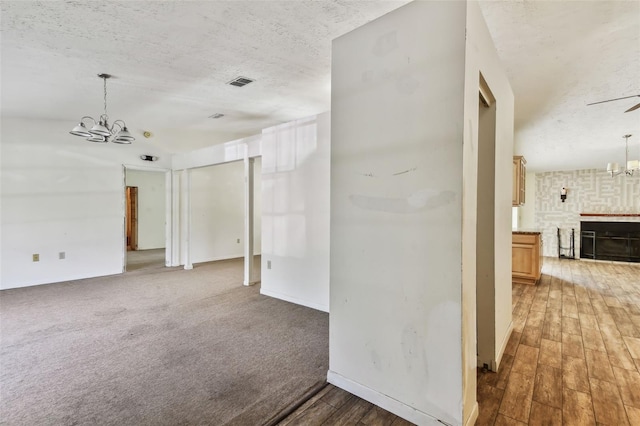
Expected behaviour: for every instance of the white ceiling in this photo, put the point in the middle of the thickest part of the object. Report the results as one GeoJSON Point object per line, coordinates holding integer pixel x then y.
{"type": "Point", "coordinates": [171, 60]}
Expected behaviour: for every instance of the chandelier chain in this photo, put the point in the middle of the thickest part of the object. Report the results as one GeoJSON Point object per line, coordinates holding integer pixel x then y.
{"type": "Point", "coordinates": [104, 80]}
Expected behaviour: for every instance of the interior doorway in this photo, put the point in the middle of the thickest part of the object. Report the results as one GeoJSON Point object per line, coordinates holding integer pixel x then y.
{"type": "Point", "coordinates": [218, 228]}
{"type": "Point", "coordinates": [145, 236]}
{"type": "Point", "coordinates": [485, 230]}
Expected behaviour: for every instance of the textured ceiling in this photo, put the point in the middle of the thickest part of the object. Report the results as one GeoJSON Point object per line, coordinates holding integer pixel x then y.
{"type": "Point", "coordinates": [560, 56]}
{"type": "Point", "coordinates": [171, 60]}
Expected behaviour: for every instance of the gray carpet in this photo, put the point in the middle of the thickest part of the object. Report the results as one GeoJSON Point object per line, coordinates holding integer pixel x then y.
{"type": "Point", "coordinates": [160, 346]}
{"type": "Point", "coordinates": [147, 259]}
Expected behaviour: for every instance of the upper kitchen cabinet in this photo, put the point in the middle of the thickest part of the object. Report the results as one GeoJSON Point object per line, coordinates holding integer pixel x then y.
{"type": "Point", "coordinates": [519, 173]}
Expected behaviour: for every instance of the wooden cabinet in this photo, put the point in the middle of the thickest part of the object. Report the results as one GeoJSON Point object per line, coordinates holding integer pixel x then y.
{"type": "Point", "coordinates": [526, 258]}
{"type": "Point", "coordinates": [519, 175]}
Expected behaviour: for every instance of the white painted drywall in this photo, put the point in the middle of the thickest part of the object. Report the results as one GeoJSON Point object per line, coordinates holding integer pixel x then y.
{"type": "Point", "coordinates": [295, 211]}
{"type": "Point", "coordinates": [403, 209]}
{"type": "Point", "coordinates": [217, 211]}
{"type": "Point", "coordinates": [397, 210]}
{"type": "Point", "coordinates": [61, 193]}
{"type": "Point", "coordinates": [481, 57]}
{"type": "Point", "coordinates": [218, 154]}
{"type": "Point", "coordinates": [151, 207]}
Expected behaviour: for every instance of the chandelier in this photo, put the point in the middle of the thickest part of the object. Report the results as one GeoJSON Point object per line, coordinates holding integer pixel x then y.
{"type": "Point", "coordinates": [102, 131]}
{"type": "Point", "coordinates": [631, 165]}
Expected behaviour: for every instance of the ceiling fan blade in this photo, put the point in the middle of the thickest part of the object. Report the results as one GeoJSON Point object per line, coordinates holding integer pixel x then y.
{"type": "Point", "coordinates": [616, 99]}
{"type": "Point", "coordinates": [633, 108]}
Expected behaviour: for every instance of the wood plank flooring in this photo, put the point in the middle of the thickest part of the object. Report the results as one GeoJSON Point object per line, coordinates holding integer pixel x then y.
{"type": "Point", "coordinates": [334, 406]}
{"type": "Point", "coordinates": [573, 357]}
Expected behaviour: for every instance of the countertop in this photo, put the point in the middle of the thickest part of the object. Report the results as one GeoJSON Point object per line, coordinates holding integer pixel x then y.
{"type": "Point", "coordinates": [526, 231]}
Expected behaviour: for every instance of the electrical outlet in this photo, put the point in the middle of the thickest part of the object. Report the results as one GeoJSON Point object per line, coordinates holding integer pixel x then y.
{"type": "Point", "coordinates": [36, 257]}
{"type": "Point", "coordinates": [238, 241]}
{"type": "Point", "coordinates": [268, 264]}
{"type": "Point", "coordinates": [61, 255]}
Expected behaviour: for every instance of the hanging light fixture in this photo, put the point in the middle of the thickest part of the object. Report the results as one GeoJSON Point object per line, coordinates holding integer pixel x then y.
{"type": "Point", "coordinates": [102, 131]}
{"type": "Point", "coordinates": [631, 165]}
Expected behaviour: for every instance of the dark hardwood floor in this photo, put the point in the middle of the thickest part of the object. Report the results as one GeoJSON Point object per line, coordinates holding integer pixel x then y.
{"type": "Point", "coordinates": [334, 406]}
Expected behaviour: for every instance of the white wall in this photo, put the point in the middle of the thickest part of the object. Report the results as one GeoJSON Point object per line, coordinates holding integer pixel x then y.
{"type": "Point", "coordinates": [481, 57]}
{"type": "Point", "coordinates": [295, 211]}
{"type": "Point", "coordinates": [191, 140]}
{"type": "Point", "coordinates": [217, 212]}
{"type": "Point", "coordinates": [403, 209]}
{"type": "Point", "coordinates": [396, 211]}
{"type": "Point", "coordinates": [218, 154]}
{"type": "Point", "coordinates": [62, 193]}
{"type": "Point", "coordinates": [151, 207]}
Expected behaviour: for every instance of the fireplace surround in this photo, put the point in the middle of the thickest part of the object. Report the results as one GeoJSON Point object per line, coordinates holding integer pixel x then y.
{"type": "Point", "coordinates": [618, 241]}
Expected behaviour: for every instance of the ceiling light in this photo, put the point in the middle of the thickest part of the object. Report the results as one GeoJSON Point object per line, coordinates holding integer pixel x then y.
{"type": "Point", "coordinates": [101, 131]}
{"type": "Point", "coordinates": [631, 165]}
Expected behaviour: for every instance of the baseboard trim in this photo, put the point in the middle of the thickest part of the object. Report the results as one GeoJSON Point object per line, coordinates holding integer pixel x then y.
{"type": "Point", "coordinates": [291, 299]}
{"type": "Point", "coordinates": [503, 346]}
{"type": "Point", "coordinates": [381, 400]}
{"type": "Point", "coordinates": [474, 415]}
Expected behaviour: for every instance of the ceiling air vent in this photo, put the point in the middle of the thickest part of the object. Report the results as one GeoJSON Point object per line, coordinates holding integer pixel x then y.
{"type": "Point", "coordinates": [240, 81]}
{"type": "Point", "coordinates": [216, 115]}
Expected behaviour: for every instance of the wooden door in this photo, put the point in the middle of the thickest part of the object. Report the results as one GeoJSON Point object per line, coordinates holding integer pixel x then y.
{"type": "Point", "coordinates": [132, 217]}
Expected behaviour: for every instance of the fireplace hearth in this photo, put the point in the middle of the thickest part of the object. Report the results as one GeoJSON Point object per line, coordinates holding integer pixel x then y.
{"type": "Point", "coordinates": [610, 241]}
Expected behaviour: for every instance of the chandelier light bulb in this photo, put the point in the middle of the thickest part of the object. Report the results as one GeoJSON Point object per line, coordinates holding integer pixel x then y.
{"type": "Point", "coordinates": [630, 165]}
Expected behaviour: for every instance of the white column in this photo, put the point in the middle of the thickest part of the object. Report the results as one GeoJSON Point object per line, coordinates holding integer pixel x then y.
{"type": "Point", "coordinates": [124, 219]}
{"type": "Point", "coordinates": [170, 218]}
{"type": "Point", "coordinates": [185, 214]}
{"type": "Point", "coordinates": [249, 273]}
